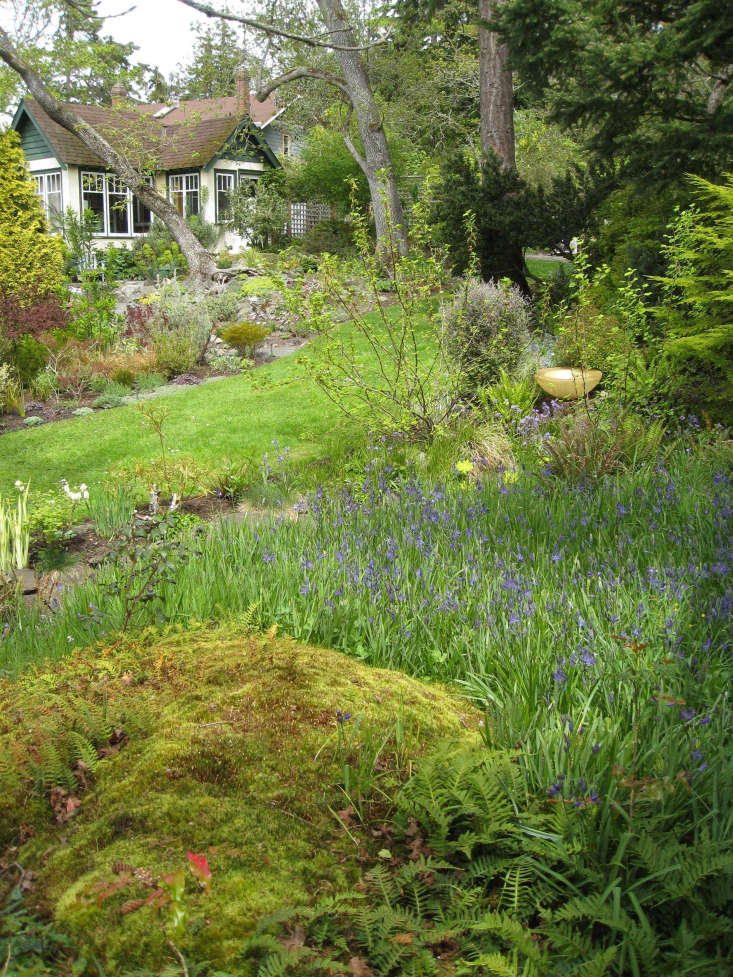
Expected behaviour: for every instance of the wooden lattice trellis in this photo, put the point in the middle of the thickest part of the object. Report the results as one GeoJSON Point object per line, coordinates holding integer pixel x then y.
{"type": "Point", "coordinates": [305, 215]}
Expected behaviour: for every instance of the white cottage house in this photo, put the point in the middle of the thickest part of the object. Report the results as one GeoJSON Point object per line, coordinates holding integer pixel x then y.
{"type": "Point", "coordinates": [196, 151]}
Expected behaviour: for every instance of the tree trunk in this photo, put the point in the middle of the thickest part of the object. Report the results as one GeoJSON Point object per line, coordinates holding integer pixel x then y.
{"type": "Point", "coordinates": [496, 130]}
{"type": "Point", "coordinates": [377, 161]}
{"type": "Point", "coordinates": [496, 92]}
{"type": "Point", "coordinates": [201, 265]}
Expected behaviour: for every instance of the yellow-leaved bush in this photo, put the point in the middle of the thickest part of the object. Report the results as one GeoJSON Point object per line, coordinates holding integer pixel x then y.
{"type": "Point", "coordinates": [31, 259]}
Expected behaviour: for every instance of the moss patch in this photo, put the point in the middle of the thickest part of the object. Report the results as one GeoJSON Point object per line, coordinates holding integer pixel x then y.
{"type": "Point", "coordinates": [214, 742]}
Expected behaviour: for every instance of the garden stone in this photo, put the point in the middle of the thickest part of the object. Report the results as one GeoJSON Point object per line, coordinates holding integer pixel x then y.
{"type": "Point", "coordinates": [186, 379]}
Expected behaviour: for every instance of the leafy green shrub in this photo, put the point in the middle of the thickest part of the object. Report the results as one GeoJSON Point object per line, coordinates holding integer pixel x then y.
{"type": "Point", "coordinates": [82, 411]}
{"type": "Point", "coordinates": [98, 383]}
{"type": "Point", "coordinates": [32, 421]}
{"type": "Point", "coordinates": [261, 217]}
{"type": "Point", "coordinates": [587, 338]}
{"type": "Point", "coordinates": [204, 231]}
{"type": "Point", "coordinates": [332, 236]}
{"type": "Point", "coordinates": [29, 358]}
{"type": "Point", "coordinates": [107, 400]}
{"type": "Point", "coordinates": [223, 307]}
{"type": "Point", "coordinates": [599, 326]}
{"type": "Point", "coordinates": [92, 314]}
{"type": "Point", "coordinates": [119, 263]}
{"type": "Point", "coordinates": [50, 517]}
{"type": "Point", "coordinates": [156, 254]}
{"type": "Point", "coordinates": [179, 328]}
{"type": "Point", "coordinates": [123, 377]}
{"type": "Point", "coordinates": [224, 260]}
{"type": "Point", "coordinates": [486, 330]}
{"type": "Point", "coordinates": [245, 337]}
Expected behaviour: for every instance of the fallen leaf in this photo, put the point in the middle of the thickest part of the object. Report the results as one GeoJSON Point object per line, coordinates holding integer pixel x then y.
{"type": "Point", "coordinates": [359, 969]}
{"type": "Point", "coordinates": [403, 939]}
{"type": "Point", "coordinates": [346, 816]}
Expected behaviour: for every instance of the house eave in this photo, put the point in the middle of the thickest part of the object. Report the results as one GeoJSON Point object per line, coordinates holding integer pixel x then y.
{"type": "Point", "coordinates": [17, 118]}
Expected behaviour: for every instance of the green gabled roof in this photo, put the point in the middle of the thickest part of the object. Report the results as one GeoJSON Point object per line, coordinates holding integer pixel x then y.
{"type": "Point", "coordinates": [253, 133]}
{"type": "Point", "coordinates": [24, 112]}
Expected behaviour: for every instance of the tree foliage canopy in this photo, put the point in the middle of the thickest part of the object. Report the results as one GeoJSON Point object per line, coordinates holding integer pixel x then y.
{"type": "Point", "coordinates": [649, 79]}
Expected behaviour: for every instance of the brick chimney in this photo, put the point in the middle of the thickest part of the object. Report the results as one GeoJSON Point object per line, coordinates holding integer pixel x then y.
{"type": "Point", "coordinates": [243, 94]}
{"type": "Point", "coordinates": [119, 93]}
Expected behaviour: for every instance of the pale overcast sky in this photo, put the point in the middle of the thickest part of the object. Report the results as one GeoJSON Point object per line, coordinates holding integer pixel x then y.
{"type": "Point", "coordinates": [160, 28]}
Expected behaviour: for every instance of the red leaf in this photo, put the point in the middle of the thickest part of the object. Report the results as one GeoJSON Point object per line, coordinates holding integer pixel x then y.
{"type": "Point", "coordinates": [199, 865]}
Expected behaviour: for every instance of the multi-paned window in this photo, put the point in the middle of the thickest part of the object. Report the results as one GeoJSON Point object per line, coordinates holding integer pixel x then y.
{"type": "Point", "coordinates": [183, 190]}
{"type": "Point", "coordinates": [225, 182]}
{"type": "Point", "coordinates": [118, 212]}
{"type": "Point", "coordinates": [48, 186]}
{"type": "Point", "coordinates": [287, 144]}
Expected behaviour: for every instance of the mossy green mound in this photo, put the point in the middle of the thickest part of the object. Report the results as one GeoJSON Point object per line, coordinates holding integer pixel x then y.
{"type": "Point", "coordinates": [118, 762]}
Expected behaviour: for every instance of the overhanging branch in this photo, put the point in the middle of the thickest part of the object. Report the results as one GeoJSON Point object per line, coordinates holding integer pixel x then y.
{"type": "Point", "coordinates": [301, 72]}
{"type": "Point", "coordinates": [209, 11]}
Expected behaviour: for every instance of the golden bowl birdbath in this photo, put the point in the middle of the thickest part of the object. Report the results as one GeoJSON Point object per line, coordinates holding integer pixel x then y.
{"type": "Point", "coordinates": [567, 382]}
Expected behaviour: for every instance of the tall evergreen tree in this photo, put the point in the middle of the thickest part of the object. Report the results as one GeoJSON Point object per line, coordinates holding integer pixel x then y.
{"type": "Point", "coordinates": [650, 80]}
{"type": "Point", "coordinates": [217, 58]}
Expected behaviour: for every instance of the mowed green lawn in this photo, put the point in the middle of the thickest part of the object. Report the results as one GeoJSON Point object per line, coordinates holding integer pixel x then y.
{"type": "Point", "coordinates": [228, 418]}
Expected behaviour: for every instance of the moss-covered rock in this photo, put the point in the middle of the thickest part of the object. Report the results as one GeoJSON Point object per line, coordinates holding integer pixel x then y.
{"type": "Point", "coordinates": [119, 762]}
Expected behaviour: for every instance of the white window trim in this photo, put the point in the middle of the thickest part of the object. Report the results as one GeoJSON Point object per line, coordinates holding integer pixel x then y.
{"type": "Point", "coordinates": [42, 181]}
{"type": "Point", "coordinates": [231, 177]}
{"type": "Point", "coordinates": [185, 190]}
{"type": "Point", "coordinates": [105, 232]}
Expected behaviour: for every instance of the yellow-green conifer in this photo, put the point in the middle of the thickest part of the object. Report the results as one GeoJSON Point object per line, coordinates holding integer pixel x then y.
{"type": "Point", "coordinates": [31, 259]}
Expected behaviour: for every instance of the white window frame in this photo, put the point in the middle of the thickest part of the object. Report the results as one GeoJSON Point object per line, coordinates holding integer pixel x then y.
{"type": "Point", "coordinates": [287, 144]}
{"type": "Point", "coordinates": [222, 177]}
{"type": "Point", "coordinates": [189, 186]}
{"type": "Point", "coordinates": [44, 184]}
{"type": "Point", "coordinates": [110, 185]}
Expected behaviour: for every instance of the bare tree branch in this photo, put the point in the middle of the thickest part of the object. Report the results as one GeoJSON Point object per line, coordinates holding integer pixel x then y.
{"type": "Point", "coordinates": [209, 11]}
{"type": "Point", "coordinates": [345, 132]}
{"type": "Point", "coordinates": [301, 72]}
